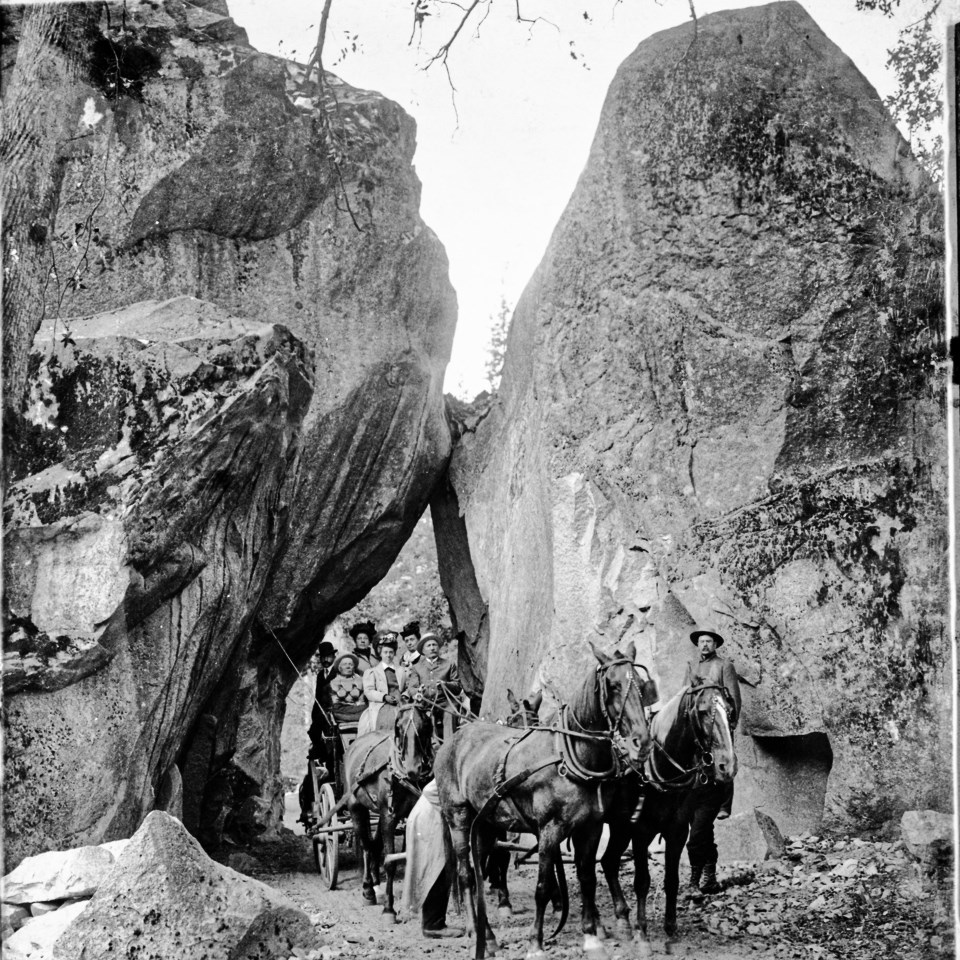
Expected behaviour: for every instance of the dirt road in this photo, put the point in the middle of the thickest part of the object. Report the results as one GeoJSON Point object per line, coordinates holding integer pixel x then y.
{"type": "Point", "coordinates": [827, 899]}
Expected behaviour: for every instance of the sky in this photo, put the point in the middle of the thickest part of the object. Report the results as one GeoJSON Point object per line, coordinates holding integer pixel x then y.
{"type": "Point", "coordinates": [499, 158]}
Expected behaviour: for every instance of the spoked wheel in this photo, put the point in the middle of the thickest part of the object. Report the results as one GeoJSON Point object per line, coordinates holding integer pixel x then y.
{"type": "Point", "coordinates": [326, 847]}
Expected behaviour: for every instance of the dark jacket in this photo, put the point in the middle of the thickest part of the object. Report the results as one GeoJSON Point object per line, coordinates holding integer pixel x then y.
{"type": "Point", "coordinates": [715, 669]}
{"type": "Point", "coordinates": [426, 676]}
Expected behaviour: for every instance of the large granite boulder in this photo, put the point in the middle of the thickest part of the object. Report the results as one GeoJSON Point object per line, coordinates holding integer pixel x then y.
{"type": "Point", "coordinates": [208, 499]}
{"type": "Point", "coordinates": [721, 404]}
{"type": "Point", "coordinates": [140, 533]}
{"type": "Point", "coordinates": [167, 898]}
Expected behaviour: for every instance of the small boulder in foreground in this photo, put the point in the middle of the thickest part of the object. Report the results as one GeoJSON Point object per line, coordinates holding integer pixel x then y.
{"type": "Point", "coordinates": [167, 898]}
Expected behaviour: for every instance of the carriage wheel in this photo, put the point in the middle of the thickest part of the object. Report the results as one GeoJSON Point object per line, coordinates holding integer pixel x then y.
{"type": "Point", "coordinates": [326, 847]}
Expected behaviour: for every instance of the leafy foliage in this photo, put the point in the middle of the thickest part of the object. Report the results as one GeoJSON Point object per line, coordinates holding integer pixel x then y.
{"type": "Point", "coordinates": [497, 352]}
{"type": "Point", "coordinates": [918, 100]}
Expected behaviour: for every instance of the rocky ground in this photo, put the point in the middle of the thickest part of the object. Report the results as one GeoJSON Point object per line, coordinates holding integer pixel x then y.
{"type": "Point", "coordinates": [835, 898]}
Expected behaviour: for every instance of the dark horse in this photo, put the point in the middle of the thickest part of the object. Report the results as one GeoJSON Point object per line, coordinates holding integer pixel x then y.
{"type": "Point", "coordinates": [544, 782]}
{"type": "Point", "coordinates": [692, 744]}
{"type": "Point", "coordinates": [525, 714]}
{"type": "Point", "coordinates": [384, 771]}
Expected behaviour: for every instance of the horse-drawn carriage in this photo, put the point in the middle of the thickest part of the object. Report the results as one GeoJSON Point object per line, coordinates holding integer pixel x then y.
{"type": "Point", "coordinates": [339, 818]}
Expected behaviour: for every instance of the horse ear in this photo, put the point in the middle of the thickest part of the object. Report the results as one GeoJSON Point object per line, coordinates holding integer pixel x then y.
{"type": "Point", "coordinates": [536, 700]}
{"type": "Point", "coordinates": [631, 652]}
{"type": "Point", "coordinates": [512, 700]}
{"type": "Point", "coordinates": [598, 653]}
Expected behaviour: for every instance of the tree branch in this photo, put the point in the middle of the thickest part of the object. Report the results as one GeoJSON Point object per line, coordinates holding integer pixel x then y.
{"type": "Point", "coordinates": [444, 51]}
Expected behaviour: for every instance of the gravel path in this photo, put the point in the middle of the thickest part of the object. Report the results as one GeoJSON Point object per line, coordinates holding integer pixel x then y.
{"type": "Point", "coordinates": [827, 899]}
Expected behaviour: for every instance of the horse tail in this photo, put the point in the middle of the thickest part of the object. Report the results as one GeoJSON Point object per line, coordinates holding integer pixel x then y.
{"type": "Point", "coordinates": [481, 901]}
{"type": "Point", "coordinates": [564, 895]}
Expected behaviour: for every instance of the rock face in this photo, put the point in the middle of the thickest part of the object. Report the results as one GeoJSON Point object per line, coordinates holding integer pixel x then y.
{"type": "Point", "coordinates": [233, 412]}
{"type": "Point", "coordinates": [721, 404]}
{"type": "Point", "coordinates": [166, 898]}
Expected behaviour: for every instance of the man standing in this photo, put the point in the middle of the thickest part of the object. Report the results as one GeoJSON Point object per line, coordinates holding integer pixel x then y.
{"type": "Point", "coordinates": [410, 635]}
{"type": "Point", "coordinates": [363, 634]}
{"type": "Point", "coordinates": [435, 680]}
{"type": "Point", "coordinates": [319, 727]}
{"type": "Point", "coordinates": [713, 800]}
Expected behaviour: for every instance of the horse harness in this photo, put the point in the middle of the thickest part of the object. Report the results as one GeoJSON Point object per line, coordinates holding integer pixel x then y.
{"type": "Point", "coordinates": [687, 776]}
{"type": "Point", "coordinates": [568, 766]}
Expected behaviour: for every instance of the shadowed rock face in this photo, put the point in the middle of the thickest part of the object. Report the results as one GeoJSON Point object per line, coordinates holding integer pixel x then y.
{"type": "Point", "coordinates": [188, 509]}
{"type": "Point", "coordinates": [721, 404]}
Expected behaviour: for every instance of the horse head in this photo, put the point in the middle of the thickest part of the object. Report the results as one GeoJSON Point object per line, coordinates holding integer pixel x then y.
{"type": "Point", "coordinates": [709, 713]}
{"type": "Point", "coordinates": [523, 713]}
{"type": "Point", "coordinates": [623, 696]}
{"type": "Point", "coordinates": [413, 732]}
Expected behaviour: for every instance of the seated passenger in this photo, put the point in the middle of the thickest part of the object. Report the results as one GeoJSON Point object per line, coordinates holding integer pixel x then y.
{"type": "Point", "coordinates": [363, 634]}
{"type": "Point", "coordinates": [437, 682]}
{"type": "Point", "coordinates": [382, 683]}
{"type": "Point", "coordinates": [345, 698]}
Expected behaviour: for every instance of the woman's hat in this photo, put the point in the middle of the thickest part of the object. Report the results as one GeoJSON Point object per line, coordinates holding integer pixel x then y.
{"type": "Point", "coordinates": [389, 640]}
{"type": "Point", "coordinates": [697, 634]}
{"type": "Point", "coordinates": [411, 629]}
{"type": "Point", "coordinates": [425, 638]}
{"type": "Point", "coordinates": [368, 628]}
{"type": "Point", "coordinates": [326, 648]}
{"type": "Point", "coordinates": [346, 656]}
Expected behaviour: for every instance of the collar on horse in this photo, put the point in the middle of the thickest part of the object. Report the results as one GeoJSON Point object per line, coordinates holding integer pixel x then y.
{"type": "Point", "coordinates": [620, 763]}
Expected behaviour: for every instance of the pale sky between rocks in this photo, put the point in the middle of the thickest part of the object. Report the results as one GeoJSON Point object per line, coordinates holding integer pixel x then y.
{"type": "Point", "coordinates": [496, 182]}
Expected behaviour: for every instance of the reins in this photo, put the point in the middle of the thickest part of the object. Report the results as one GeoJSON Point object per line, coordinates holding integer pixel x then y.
{"type": "Point", "coordinates": [688, 775]}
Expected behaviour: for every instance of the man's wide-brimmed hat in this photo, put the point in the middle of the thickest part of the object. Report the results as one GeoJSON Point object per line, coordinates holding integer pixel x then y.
{"type": "Point", "coordinates": [368, 628]}
{"type": "Point", "coordinates": [425, 638]}
{"type": "Point", "coordinates": [698, 633]}
{"type": "Point", "coordinates": [411, 629]}
{"type": "Point", "coordinates": [346, 656]}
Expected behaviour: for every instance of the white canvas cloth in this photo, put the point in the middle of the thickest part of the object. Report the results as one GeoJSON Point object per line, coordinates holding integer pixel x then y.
{"type": "Point", "coordinates": [425, 858]}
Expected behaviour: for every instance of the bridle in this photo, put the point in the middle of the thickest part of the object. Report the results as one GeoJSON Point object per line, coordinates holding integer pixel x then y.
{"type": "Point", "coordinates": [620, 761]}
{"type": "Point", "coordinates": [402, 736]}
{"type": "Point", "coordinates": [702, 770]}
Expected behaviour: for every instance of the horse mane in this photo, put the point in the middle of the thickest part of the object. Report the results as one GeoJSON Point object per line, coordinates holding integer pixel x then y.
{"type": "Point", "coordinates": [585, 705]}
{"type": "Point", "coordinates": [663, 722]}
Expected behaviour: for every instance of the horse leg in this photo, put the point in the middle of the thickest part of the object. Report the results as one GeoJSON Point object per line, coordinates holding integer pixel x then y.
{"type": "Point", "coordinates": [486, 845]}
{"type": "Point", "coordinates": [388, 827]}
{"type": "Point", "coordinates": [676, 838]}
{"type": "Point", "coordinates": [641, 886]}
{"type": "Point", "coordinates": [498, 863]}
{"type": "Point", "coordinates": [548, 850]}
{"type": "Point", "coordinates": [610, 862]}
{"type": "Point", "coordinates": [361, 827]}
{"type": "Point", "coordinates": [459, 821]}
{"type": "Point", "coordinates": [586, 840]}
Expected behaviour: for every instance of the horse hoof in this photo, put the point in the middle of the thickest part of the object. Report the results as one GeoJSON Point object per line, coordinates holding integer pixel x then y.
{"type": "Point", "coordinates": [504, 911]}
{"type": "Point", "coordinates": [389, 917]}
{"type": "Point", "coordinates": [602, 932]}
{"type": "Point", "coordinates": [594, 948]}
{"type": "Point", "coordinates": [536, 954]}
{"type": "Point", "coordinates": [369, 898]}
{"type": "Point", "coordinates": [624, 927]}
